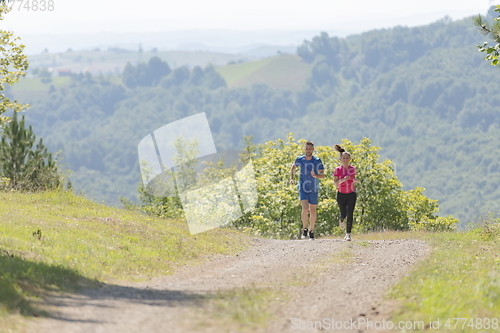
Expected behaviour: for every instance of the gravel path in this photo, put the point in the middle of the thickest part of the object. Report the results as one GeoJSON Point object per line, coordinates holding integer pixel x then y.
{"type": "Point", "coordinates": [326, 280]}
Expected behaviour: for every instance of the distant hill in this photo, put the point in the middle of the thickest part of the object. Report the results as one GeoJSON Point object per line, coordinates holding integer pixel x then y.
{"type": "Point", "coordinates": [280, 72]}
{"type": "Point", "coordinates": [286, 71]}
{"type": "Point", "coordinates": [112, 61]}
{"type": "Point", "coordinates": [216, 41]}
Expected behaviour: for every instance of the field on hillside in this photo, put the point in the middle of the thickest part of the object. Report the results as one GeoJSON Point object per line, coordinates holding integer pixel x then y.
{"type": "Point", "coordinates": [281, 72]}
{"type": "Point", "coordinates": [287, 72]}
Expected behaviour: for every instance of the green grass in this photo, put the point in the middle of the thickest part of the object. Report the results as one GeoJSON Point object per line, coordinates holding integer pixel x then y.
{"type": "Point", "coordinates": [460, 279]}
{"type": "Point", "coordinates": [58, 241]}
{"type": "Point", "coordinates": [29, 89]}
{"type": "Point", "coordinates": [342, 257]}
{"type": "Point", "coordinates": [236, 72]}
{"type": "Point", "coordinates": [280, 72]}
{"type": "Point", "coordinates": [386, 235]}
{"type": "Point", "coordinates": [35, 84]}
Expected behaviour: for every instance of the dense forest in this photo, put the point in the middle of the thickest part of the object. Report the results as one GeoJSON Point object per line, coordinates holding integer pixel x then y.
{"type": "Point", "coordinates": [423, 94]}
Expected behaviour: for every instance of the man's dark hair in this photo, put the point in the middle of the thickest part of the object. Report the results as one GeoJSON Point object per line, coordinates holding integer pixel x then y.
{"type": "Point", "coordinates": [309, 143]}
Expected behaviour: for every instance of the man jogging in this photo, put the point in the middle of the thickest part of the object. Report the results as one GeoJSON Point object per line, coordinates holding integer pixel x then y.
{"type": "Point", "coordinates": [311, 168]}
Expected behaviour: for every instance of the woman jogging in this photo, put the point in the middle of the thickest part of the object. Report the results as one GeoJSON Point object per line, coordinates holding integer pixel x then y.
{"type": "Point", "coordinates": [344, 178]}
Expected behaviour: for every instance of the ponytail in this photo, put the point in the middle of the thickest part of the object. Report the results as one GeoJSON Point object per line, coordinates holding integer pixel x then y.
{"type": "Point", "coordinates": [341, 150]}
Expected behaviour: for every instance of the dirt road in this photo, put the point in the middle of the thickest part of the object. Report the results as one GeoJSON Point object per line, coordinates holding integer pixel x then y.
{"type": "Point", "coordinates": [328, 281]}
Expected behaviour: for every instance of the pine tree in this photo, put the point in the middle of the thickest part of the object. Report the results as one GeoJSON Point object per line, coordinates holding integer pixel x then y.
{"type": "Point", "coordinates": [28, 167]}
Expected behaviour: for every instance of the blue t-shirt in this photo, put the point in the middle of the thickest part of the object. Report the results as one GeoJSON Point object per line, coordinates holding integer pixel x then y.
{"type": "Point", "coordinates": [308, 183]}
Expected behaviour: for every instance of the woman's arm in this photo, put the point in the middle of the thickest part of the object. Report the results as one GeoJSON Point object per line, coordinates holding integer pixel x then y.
{"type": "Point", "coordinates": [338, 181]}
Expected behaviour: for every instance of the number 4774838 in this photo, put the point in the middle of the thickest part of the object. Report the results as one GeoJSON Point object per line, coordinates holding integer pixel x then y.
{"type": "Point", "coordinates": [33, 5]}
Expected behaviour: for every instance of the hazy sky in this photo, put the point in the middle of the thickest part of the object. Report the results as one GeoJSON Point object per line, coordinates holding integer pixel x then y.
{"type": "Point", "coordinates": [70, 16]}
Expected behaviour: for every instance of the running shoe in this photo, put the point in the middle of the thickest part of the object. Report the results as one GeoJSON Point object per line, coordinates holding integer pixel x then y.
{"type": "Point", "coordinates": [304, 233]}
{"type": "Point", "coordinates": [311, 235]}
{"type": "Point", "coordinates": [347, 237]}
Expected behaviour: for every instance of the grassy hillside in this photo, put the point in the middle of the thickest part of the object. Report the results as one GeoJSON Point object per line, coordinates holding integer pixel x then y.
{"type": "Point", "coordinates": [34, 84]}
{"type": "Point", "coordinates": [32, 89]}
{"type": "Point", "coordinates": [59, 241]}
{"type": "Point", "coordinates": [280, 72]}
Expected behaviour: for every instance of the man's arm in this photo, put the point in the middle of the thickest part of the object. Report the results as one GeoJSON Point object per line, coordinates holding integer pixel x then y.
{"type": "Point", "coordinates": [292, 172]}
{"type": "Point", "coordinates": [320, 174]}
{"type": "Point", "coordinates": [321, 170]}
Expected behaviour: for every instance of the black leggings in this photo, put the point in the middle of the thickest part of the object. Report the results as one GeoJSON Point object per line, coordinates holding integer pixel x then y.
{"type": "Point", "coordinates": [347, 202]}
